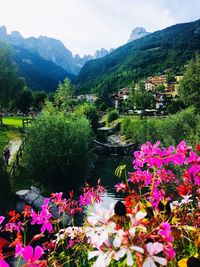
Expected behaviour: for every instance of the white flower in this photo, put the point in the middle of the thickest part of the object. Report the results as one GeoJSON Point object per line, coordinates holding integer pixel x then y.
{"type": "Point", "coordinates": [140, 215]}
{"type": "Point", "coordinates": [154, 248]}
{"type": "Point", "coordinates": [128, 251]}
{"type": "Point", "coordinates": [99, 235]}
{"type": "Point", "coordinates": [186, 199]}
{"type": "Point", "coordinates": [103, 259]}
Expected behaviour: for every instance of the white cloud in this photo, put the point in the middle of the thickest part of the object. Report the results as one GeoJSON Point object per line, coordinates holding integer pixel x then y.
{"type": "Point", "coordinates": [87, 25]}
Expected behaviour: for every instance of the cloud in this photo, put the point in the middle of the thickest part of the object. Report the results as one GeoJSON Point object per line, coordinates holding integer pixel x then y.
{"type": "Point", "coordinates": [87, 25]}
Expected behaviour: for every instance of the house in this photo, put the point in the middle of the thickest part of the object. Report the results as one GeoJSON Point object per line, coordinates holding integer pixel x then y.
{"type": "Point", "coordinates": [156, 80]}
{"type": "Point", "coordinates": [87, 97]}
{"type": "Point", "coordinates": [120, 96]}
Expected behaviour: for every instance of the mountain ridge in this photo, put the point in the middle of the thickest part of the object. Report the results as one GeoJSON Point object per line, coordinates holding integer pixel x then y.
{"type": "Point", "coordinates": [51, 49]}
{"type": "Point", "coordinates": [169, 48]}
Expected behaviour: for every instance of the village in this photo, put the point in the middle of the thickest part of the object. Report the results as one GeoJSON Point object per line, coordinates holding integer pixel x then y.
{"type": "Point", "coordinates": [163, 90]}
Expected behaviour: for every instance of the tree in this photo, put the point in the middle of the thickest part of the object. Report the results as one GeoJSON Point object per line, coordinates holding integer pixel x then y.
{"type": "Point", "coordinates": [10, 85]}
{"type": "Point", "coordinates": [189, 89]}
{"type": "Point", "coordinates": [89, 110]}
{"type": "Point", "coordinates": [38, 99]}
{"type": "Point", "coordinates": [24, 100]}
{"type": "Point", "coordinates": [144, 101]}
{"type": "Point", "coordinates": [141, 86]}
{"type": "Point", "coordinates": [59, 147]}
{"type": "Point", "coordinates": [64, 96]}
{"type": "Point", "coordinates": [160, 88]}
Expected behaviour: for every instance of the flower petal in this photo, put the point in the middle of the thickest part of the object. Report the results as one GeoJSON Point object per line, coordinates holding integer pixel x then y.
{"type": "Point", "coordinates": [129, 260]}
{"type": "Point", "coordinates": [149, 263]}
{"type": "Point", "coordinates": [160, 260]}
{"type": "Point", "coordinates": [27, 253]}
{"type": "Point", "coordinates": [38, 253]}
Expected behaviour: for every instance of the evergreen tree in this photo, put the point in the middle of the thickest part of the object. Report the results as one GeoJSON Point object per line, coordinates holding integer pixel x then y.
{"type": "Point", "coordinates": [189, 88]}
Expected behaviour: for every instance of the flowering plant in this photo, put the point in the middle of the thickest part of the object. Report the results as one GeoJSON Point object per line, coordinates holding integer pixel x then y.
{"type": "Point", "coordinates": [157, 224]}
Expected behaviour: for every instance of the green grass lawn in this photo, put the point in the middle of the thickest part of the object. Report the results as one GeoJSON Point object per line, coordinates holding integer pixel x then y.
{"type": "Point", "coordinates": [11, 130]}
{"type": "Point", "coordinates": [14, 121]}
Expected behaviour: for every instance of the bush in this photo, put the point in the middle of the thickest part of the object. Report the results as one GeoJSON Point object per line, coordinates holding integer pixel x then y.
{"type": "Point", "coordinates": [169, 131]}
{"type": "Point", "coordinates": [89, 110]}
{"type": "Point", "coordinates": [112, 115]}
{"type": "Point", "coordinates": [59, 147]}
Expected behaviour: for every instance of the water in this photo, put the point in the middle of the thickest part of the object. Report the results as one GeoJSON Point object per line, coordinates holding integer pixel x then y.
{"type": "Point", "coordinates": [104, 169]}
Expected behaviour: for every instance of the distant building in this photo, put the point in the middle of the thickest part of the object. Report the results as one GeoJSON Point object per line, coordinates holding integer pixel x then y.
{"type": "Point", "coordinates": [149, 86]}
{"type": "Point", "coordinates": [121, 95]}
{"type": "Point", "coordinates": [87, 97]}
{"type": "Point", "coordinates": [170, 88]}
{"type": "Point", "coordinates": [156, 80]}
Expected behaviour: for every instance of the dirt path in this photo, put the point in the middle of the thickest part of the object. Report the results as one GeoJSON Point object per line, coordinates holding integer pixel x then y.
{"type": "Point", "coordinates": [14, 147]}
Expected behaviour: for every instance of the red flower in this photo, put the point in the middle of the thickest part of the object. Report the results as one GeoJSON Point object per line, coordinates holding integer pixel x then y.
{"type": "Point", "coordinates": [27, 211]}
{"type": "Point", "coordinates": [197, 147]}
{"type": "Point", "coordinates": [184, 189]}
{"type": "Point", "coordinates": [14, 216]}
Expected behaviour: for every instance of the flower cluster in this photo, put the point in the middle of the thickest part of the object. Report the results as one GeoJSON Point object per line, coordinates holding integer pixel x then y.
{"type": "Point", "coordinates": [157, 224]}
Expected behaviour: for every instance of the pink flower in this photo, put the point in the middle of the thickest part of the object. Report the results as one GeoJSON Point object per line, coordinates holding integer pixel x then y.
{"type": "Point", "coordinates": [169, 251]}
{"type": "Point", "coordinates": [1, 219]}
{"type": "Point", "coordinates": [32, 256]}
{"type": "Point", "coordinates": [11, 227]}
{"type": "Point", "coordinates": [3, 263]}
{"type": "Point", "coordinates": [165, 232]}
{"type": "Point", "coordinates": [44, 219]}
{"type": "Point", "coordinates": [122, 186]}
{"type": "Point", "coordinates": [18, 249]}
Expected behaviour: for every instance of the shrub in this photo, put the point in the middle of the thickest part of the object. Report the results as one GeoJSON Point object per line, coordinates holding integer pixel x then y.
{"type": "Point", "coordinates": [58, 147]}
{"type": "Point", "coordinates": [170, 131]}
{"type": "Point", "coordinates": [89, 110]}
{"type": "Point", "coordinates": [112, 115]}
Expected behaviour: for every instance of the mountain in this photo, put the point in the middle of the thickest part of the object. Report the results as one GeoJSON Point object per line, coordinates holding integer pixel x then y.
{"type": "Point", "coordinates": [40, 74]}
{"type": "Point", "coordinates": [168, 49]}
{"type": "Point", "coordinates": [98, 54]}
{"type": "Point", "coordinates": [48, 48]}
{"type": "Point", "coordinates": [51, 49]}
{"type": "Point", "coordinates": [137, 33]}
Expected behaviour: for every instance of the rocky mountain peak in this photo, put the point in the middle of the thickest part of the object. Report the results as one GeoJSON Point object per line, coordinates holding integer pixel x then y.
{"type": "Point", "coordinates": [137, 33]}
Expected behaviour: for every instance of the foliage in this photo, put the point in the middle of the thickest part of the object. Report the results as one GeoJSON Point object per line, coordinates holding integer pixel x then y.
{"type": "Point", "coordinates": [158, 223]}
{"type": "Point", "coordinates": [174, 106]}
{"type": "Point", "coordinates": [64, 96]}
{"type": "Point", "coordinates": [58, 147]}
{"type": "Point", "coordinates": [89, 110]}
{"type": "Point", "coordinates": [40, 74]}
{"type": "Point", "coordinates": [112, 115]}
{"type": "Point", "coordinates": [144, 100]}
{"type": "Point", "coordinates": [9, 83]}
{"type": "Point", "coordinates": [24, 101]}
{"type": "Point", "coordinates": [38, 99]}
{"type": "Point", "coordinates": [160, 88]}
{"type": "Point", "coordinates": [190, 84]}
{"type": "Point", "coordinates": [170, 131]}
{"type": "Point", "coordinates": [169, 49]}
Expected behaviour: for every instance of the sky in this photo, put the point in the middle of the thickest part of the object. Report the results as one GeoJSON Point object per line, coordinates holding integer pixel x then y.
{"type": "Point", "coordinates": [87, 25]}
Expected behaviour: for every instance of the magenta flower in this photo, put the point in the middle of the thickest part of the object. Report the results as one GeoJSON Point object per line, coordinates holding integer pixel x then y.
{"type": "Point", "coordinates": [11, 227]}
{"type": "Point", "coordinates": [122, 186]}
{"type": "Point", "coordinates": [165, 232]}
{"type": "Point", "coordinates": [169, 251]}
{"type": "Point", "coordinates": [42, 218]}
{"type": "Point", "coordinates": [32, 256]}
{"type": "Point", "coordinates": [3, 263]}
{"type": "Point", "coordinates": [18, 250]}
{"type": "Point", "coordinates": [1, 219]}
